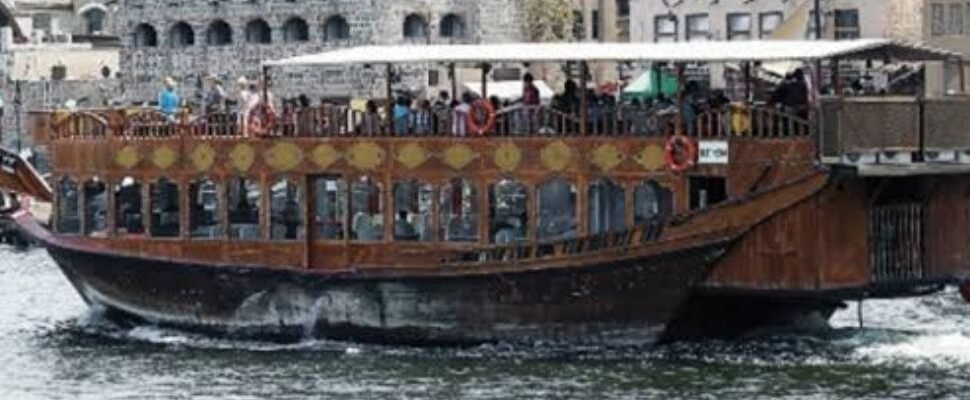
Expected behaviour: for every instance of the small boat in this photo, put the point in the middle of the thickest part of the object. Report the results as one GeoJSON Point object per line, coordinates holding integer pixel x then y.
{"type": "Point", "coordinates": [623, 224]}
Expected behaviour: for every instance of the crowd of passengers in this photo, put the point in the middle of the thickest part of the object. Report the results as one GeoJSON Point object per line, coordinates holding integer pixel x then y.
{"type": "Point", "coordinates": [527, 114]}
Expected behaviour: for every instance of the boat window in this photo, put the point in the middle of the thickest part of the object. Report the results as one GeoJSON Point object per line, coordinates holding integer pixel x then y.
{"type": "Point", "coordinates": [68, 220]}
{"type": "Point", "coordinates": [95, 207]}
{"type": "Point", "coordinates": [205, 215]}
{"type": "Point", "coordinates": [164, 203]}
{"type": "Point", "coordinates": [412, 211]}
{"type": "Point", "coordinates": [286, 210]}
{"type": "Point", "coordinates": [244, 203]}
{"type": "Point", "coordinates": [459, 212]}
{"type": "Point", "coordinates": [330, 197]}
{"type": "Point", "coordinates": [706, 191]}
{"type": "Point", "coordinates": [651, 201]}
{"type": "Point", "coordinates": [367, 209]}
{"type": "Point", "coordinates": [508, 212]}
{"type": "Point", "coordinates": [557, 210]}
{"type": "Point", "coordinates": [128, 208]}
{"type": "Point", "coordinates": [606, 207]}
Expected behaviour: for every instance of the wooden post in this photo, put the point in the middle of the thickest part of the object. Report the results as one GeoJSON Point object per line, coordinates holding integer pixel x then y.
{"type": "Point", "coordinates": [583, 106]}
{"type": "Point", "coordinates": [389, 94]}
{"type": "Point", "coordinates": [679, 130]}
{"type": "Point", "coordinates": [265, 93]}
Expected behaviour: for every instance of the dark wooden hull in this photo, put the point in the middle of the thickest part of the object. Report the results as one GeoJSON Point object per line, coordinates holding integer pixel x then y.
{"type": "Point", "coordinates": [629, 302]}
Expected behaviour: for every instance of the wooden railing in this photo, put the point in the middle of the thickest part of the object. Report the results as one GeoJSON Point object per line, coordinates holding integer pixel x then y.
{"type": "Point", "coordinates": [343, 121]}
{"type": "Point", "coordinates": [642, 234]}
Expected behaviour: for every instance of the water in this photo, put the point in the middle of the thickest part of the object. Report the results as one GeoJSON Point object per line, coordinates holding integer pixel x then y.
{"type": "Point", "coordinates": [53, 347]}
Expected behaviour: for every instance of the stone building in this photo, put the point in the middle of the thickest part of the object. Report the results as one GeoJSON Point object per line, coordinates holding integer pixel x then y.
{"type": "Point", "coordinates": [943, 23]}
{"type": "Point", "coordinates": [189, 39]}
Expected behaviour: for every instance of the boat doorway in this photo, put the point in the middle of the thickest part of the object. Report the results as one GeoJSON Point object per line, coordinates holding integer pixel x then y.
{"type": "Point", "coordinates": [327, 198]}
{"type": "Point", "coordinates": [897, 229]}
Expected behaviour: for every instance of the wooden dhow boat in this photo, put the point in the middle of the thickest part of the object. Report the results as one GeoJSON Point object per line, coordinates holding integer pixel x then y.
{"type": "Point", "coordinates": [613, 225]}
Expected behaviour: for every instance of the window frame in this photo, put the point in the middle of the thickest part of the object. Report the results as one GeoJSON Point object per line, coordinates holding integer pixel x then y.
{"type": "Point", "coordinates": [733, 34]}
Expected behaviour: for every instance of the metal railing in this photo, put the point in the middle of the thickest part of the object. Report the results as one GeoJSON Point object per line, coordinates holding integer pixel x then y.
{"type": "Point", "coordinates": [896, 242]}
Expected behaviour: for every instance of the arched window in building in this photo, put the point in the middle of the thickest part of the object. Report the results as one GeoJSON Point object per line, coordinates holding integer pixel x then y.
{"type": "Point", "coordinates": [366, 210]}
{"type": "Point", "coordinates": [258, 32]}
{"type": "Point", "coordinates": [330, 195]}
{"type": "Point", "coordinates": [651, 201]}
{"type": "Point", "coordinates": [508, 212]}
{"type": "Point", "coordinates": [145, 35]}
{"type": "Point", "coordinates": [286, 210]}
{"type": "Point", "coordinates": [244, 203]}
{"type": "Point", "coordinates": [94, 19]}
{"type": "Point", "coordinates": [606, 207]}
{"type": "Point", "coordinates": [205, 213]}
{"type": "Point", "coordinates": [95, 207]}
{"type": "Point", "coordinates": [459, 212]}
{"type": "Point", "coordinates": [415, 27]}
{"type": "Point", "coordinates": [557, 210]}
{"type": "Point", "coordinates": [164, 206]}
{"type": "Point", "coordinates": [68, 217]}
{"type": "Point", "coordinates": [452, 26]}
{"type": "Point", "coordinates": [412, 211]}
{"type": "Point", "coordinates": [181, 35]}
{"type": "Point", "coordinates": [296, 30]}
{"type": "Point", "coordinates": [219, 33]}
{"type": "Point", "coordinates": [128, 208]}
{"type": "Point", "coordinates": [336, 28]}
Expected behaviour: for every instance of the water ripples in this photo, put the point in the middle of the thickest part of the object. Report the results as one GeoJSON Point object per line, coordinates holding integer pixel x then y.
{"type": "Point", "coordinates": [53, 347]}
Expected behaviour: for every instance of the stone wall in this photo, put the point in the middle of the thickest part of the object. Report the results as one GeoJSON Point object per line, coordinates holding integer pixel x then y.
{"type": "Point", "coordinates": [36, 95]}
{"type": "Point", "coordinates": [370, 22]}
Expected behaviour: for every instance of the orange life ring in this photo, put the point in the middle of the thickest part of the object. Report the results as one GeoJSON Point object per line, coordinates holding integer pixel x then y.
{"type": "Point", "coordinates": [481, 127]}
{"type": "Point", "coordinates": [261, 121]}
{"type": "Point", "coordinates": [680, 153]}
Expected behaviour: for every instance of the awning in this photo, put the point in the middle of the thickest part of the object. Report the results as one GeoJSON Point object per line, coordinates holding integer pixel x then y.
{"type": "Point", "coordinates": [648, 84]}
{"type": "Point", "coordinates": [713, 51]}
{"type": "Point", "coordinates": [509, 90]}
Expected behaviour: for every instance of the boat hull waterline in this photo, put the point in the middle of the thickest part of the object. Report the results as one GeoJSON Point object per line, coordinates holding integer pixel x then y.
{"type": "Point", "coordinates": [627, 302]}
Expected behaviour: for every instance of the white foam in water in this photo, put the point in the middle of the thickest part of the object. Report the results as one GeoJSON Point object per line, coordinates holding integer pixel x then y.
{"type": "Point", "coordinates": [953, 348]}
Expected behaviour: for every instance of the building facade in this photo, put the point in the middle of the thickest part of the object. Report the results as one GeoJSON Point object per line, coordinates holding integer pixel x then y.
{"type": "Point", "coordinates": [944, 23]}
{"type": "Point", "coordinates": [188, 39]}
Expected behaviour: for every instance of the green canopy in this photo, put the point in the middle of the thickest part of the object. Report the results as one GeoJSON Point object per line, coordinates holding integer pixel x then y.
{"type": "Point", "coordinates": [649, 84]}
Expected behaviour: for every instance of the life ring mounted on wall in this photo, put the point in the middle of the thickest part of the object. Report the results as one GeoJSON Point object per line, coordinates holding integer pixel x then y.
{"type": "Point", "coordinates": [487, 121]}
{"type": "Point", "coordinates": [680, 153]}
{"type": "Point", "coordinates": [261, 120]}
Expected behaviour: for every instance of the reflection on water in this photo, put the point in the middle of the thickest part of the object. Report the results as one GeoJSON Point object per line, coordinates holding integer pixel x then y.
{"type": "Point", "coordinates": [53, 347]}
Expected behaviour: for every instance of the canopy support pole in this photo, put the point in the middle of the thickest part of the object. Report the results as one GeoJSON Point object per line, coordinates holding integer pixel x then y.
{"type": "Point", "coordinates": [485, 69]}
{"type": "Point", "coordinates": [836, 79]}
{"type": "Point", "coordinates": [454, 82]}
{"type": "Point", "coordinates": [389, 94]}
{"type": "Point", "coordinates": [583, 101]}
{"type": "Point", "coordinates": [265, 93]}
{"type": "Point", "coordinates": [963, 76]}
{"type": "Point", "coordinates": [747, 81]}
{"type": "Point", "coordinates": [679, 130]}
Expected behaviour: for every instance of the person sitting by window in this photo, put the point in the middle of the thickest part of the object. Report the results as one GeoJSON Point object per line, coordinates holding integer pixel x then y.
{"type": "Point", "coordinates": [403, 229]}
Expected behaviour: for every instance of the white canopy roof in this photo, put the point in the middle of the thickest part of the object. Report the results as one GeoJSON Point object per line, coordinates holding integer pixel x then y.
{"type": "Point", "coordinates": [509, 90]}
{"type": "Point", "coordinates": [713, 51]}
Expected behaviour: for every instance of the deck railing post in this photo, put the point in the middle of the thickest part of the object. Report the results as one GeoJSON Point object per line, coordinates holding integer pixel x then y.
{"type": "Point", "coordinates": [583, 101]}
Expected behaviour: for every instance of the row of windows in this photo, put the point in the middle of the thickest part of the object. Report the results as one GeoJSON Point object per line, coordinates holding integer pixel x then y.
{"type": "Point", "coordinates": [741, 26]}
{"type": "Point", "coordinates": [295, 29]}
{"type": "Point", "coordinates": [952, 19]}
{"type": "Point", "coordinates": [354, 211]}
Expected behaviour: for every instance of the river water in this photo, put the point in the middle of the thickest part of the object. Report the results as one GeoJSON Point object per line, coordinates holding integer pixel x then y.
{"type": "Point", "coordinates": [53, 347]}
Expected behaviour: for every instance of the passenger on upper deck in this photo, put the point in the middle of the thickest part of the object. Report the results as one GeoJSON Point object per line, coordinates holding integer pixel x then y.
{"type": "Point", "coordinates": [402, 115]}
{"type": "Point", "coordinates": [168, 99]}
{"type": "Point", "coordinates": [460, 114]}
{"type": "Point", "coordinates": [214, 100]}
{"type": "Point", "coordinates": [371, 123]}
